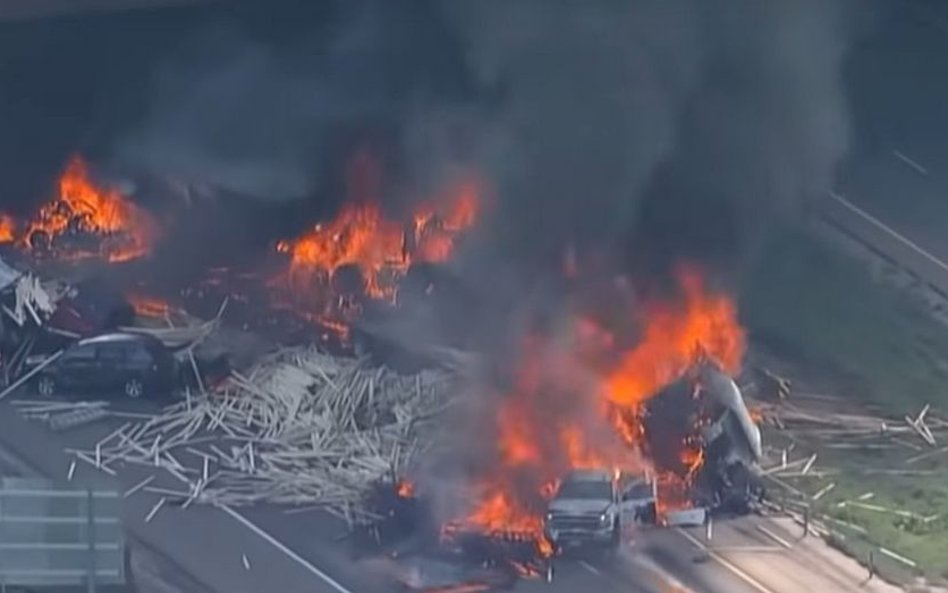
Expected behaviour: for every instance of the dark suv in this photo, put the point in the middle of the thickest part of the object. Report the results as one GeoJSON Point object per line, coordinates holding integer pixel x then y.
{"type": "Point", "coordinates": [116, 363]}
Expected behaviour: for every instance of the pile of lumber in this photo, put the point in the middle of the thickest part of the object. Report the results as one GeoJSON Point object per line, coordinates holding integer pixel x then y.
{"type": "Point", "coordinates": [301, 427]}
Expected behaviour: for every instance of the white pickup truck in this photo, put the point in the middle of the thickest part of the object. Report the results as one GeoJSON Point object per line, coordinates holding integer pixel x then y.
{"type": "Point", "coordinates": [584, 510]}
{"type": "Point", "coordinates": [592, 507]}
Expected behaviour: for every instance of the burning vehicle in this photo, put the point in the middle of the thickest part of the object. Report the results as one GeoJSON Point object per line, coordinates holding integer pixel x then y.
{"type": "Point", "coordinates": [84, 221]}
{"type": "Point", "coordinates": [610, 416]}
{"type": "Point", "coordinates": [704, 409]}
{"type": "Point", "coordinates": [719, 469]}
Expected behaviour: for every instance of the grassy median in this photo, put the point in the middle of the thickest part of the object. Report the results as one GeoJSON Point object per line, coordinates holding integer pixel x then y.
{"type": "Point", "coordinates": [813, 305]}
{"type": "Point", "coordinates": [823, 311]}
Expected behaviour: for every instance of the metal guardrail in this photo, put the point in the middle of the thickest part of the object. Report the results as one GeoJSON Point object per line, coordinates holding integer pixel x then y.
{"type": "Point", "coordinates": [56, 536]}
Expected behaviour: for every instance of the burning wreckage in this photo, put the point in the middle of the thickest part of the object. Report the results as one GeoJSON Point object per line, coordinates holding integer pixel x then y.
{"type": "Point", "coordinates": [302, 426]}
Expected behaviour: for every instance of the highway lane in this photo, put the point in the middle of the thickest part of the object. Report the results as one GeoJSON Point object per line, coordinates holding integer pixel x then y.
{"type": "Point", "coordinates": [206, 543]}
{"type": "Point", "coordinates": [151, 571]}
{"type": "Point", "coordinates": [897, 84]}
{"type": "Point", "coordinates": [753, 554]}
{"type": "Point", "coordinates": [302, 552]}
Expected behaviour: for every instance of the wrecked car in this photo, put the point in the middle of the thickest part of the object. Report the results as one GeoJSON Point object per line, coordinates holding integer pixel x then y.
{"type": "Point", "coordinates": [706, 410]}
{"type": "Point", "coordinates": [131, 365]}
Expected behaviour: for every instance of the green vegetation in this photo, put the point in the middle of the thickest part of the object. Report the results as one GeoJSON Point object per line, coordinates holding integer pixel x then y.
{"type": "Point", "coordinates": [923, 537]}
{"type": "Point", "coordinates": [823, 311]}
{"type": "Point", "coordinates": [920, 532]}
{"type": "Point", "coordinates": [820, 308]}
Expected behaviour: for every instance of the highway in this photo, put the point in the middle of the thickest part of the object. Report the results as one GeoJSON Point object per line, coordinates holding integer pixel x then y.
{"type": "Point", "coordinates": [898, 169]}
{"type": "Point", "coordinates": [901, 92]}
{"type": "Point", "coordinates": [202, 549]}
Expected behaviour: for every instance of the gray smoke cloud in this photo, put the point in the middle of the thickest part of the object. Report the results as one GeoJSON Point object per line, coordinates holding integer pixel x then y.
{"type": "Point", "coordinates": [263, 115]}
{"type": "Point", "coordinates": [681, 122]}
{"type": "Point", "coordinates": [650, 129]}
{"type": "Point", "coordinates": [660, 128]}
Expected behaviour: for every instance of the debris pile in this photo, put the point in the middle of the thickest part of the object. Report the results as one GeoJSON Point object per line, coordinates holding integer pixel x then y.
{"type": "Point", "coordinates": [301, 427]}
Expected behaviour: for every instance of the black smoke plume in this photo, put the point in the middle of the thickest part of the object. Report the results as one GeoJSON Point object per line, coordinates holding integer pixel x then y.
{"type": "Point", "coordinates": [659, 129]}
{"type": "Point", "coordinates": [653, 129]}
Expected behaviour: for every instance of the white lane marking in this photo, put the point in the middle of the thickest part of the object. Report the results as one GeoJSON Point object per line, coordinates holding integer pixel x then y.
{"type": "Point", "coordinates": [889, 230]}
{"type": "Point", "coordinates": [286, 550]}
{"type": "Point", "coordinates": [590, 567]}
{"type": "Point", "coordinates": [911, 163]}
{"type": "Point", "coordinates": [726, 563]}
{"type": "Point", "coordinates": [772, 535]}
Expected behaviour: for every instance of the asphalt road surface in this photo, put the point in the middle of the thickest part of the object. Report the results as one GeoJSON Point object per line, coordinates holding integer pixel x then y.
{"type": "Point", "coordinates": [899, 86]}
{"type": "Point", "coordinates": [204, 547]}
{"type": "Point", "coordinates": [897, 82]}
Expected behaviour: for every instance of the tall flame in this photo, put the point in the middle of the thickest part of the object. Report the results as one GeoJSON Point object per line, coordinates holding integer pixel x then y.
{"type": "Point", "coordinates": [381, 249]}
{"type": "Point", "coordinates": [562, 411]}
{"type": "Point", "coordinates": [674, 336]}
{"type": "Point", "coordinates": [123, 230]}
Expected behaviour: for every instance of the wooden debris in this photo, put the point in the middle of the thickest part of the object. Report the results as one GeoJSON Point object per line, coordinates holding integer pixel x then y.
{"type": "Point", "coordinates": [926, 455]}
{"type": "Point", "coordinates": [919, 426]}
{"type": "Point", "coordinates": [808, 465]}
{"type": "Point", "coordinates": [824, 491]}
{"type": "Point", "coordinates": [154, 510]}
{"type": "Point", "coordinates": [777, 385]}
{"type": "Point", "coordinates": [138, 486]}
{"type": "Point", "coordinates": [301, 427]}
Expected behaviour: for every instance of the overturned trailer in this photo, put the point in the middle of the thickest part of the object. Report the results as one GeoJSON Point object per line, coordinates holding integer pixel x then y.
{"type": "Point", "coordinates": [705, 412]}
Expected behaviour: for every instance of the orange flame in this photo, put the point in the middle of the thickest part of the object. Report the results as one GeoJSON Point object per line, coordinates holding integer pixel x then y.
{"type": "Point", "coordinates": [148, 306]}
{"type": "Point", "coordinates": [499, 513]}
{"type": "Point", "coordinates": [379, 248]}
{"type": "Point", "coordinates": [557, 419]}
{"type": "Point", "coordinates": [124, 230]}
{"type": "Point", "coordinates": [7, 228]}
{"type": "Point", "coordinates": [405, 489]}
{"type": "Point", "coordinates": [674, 337]}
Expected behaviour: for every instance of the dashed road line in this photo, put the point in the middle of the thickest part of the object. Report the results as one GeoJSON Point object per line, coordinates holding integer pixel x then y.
{"type": "Point", "coordinates": [911, 163]}
{"type": "Point", "coordinates": [726, 563]}
{"type": "Point", "coordinates": [773, 535]}
{"type": "Point", "coordinates": [590, 567]}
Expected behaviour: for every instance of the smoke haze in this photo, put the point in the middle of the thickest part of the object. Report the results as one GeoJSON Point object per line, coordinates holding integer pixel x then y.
{"type": "Point", "coordinates": [668, 128]}
{"type": "Point", "coordinates": [652, 129]}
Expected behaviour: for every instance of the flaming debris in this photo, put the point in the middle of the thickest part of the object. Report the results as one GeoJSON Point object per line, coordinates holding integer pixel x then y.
{"type": "Point", "coordinates": [380, 250]}
{"type": "Point", "coordinates": [149, 306]}
{"type": "Point", "coordinates": [7, 228]}
{"type": "Point", "coordinates": [84, 221]}
{"type": "Point", "coordinates": [578, 403]}
{"type": "Point", "coordinates": [674, 336]}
